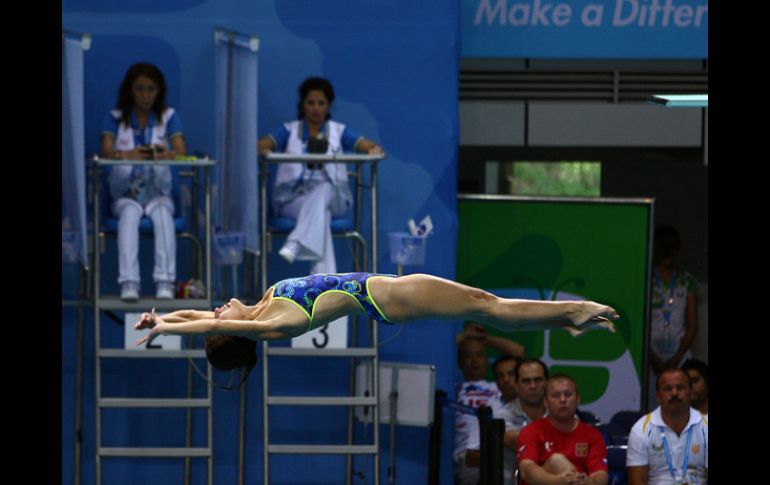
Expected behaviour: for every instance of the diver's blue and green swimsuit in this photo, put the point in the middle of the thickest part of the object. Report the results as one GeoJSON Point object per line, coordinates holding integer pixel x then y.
{"type": "Point", "coordinates": [304, 291]}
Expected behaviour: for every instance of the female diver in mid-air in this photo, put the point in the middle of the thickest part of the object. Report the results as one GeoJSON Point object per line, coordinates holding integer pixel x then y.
{"type": "Point", "coordinates": [294, 306]}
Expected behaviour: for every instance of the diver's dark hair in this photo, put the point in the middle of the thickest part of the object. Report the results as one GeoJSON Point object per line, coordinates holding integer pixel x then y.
{"type": "Point", "coordinates": [315, 84]}
{"type": "Point", "coordinates": [227, 352]}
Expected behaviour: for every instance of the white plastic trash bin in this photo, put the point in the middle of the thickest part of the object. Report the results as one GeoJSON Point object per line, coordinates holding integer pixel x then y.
{"type": "Point", "coordinates": [407, 250]}
{"type": "Point", "coordinates": [228, 248]}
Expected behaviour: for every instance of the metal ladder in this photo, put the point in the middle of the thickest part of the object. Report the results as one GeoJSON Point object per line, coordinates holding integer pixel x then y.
{"type": "Point", "coordinates": [188, 403]}
{"type": "Point", "coordinates": [368, 401]}
{"type": "Point", "coordinates": [113, 303]}
{"type": "Point", "coordinates": [353, 353]}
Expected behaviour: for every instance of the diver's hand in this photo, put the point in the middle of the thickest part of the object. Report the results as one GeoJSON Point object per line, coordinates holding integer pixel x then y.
{"type": "Point", "coordinates": [145, 321]}
{"type": "Point", "coordinates": [158, 326]}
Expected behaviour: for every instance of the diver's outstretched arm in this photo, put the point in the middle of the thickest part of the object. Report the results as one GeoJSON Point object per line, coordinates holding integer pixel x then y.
{"type": "Point", "coordinates": [178, 316]}
{"type": "Point", "coordinates": [253, 329]}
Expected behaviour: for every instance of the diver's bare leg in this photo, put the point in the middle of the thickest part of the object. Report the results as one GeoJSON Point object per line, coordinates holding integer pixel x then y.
{"type": "Point", "coordinates": [425, 296]}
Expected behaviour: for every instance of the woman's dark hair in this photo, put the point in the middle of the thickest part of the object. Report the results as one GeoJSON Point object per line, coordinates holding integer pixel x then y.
{"type": "Point", "coordinates": [315, 84]}
{"type": "Point", "coordinates": [226, 352]}
{"type": "Point", "coordinates": [126, 98]}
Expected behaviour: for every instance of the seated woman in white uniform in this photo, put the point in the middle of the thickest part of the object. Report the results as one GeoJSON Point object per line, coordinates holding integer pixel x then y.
{"type": "Point", "coordinates": [313, 193]}
{"type": "Point", "coordinates": [142, 127]}
{"type": "Point", "coordinates": [297, 305]}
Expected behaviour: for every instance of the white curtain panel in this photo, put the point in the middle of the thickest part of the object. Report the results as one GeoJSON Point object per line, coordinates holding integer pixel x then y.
{"type": "Point", "coordinates": [237, 190]}
{"type": "Point", "coordinates": [73, 143]}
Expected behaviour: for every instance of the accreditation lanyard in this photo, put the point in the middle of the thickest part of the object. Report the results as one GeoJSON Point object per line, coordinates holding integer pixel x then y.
{"type": "Point", "coordinates": [668, 453]}
{"type": "Point", "coordinates": [668, 304]}
{"type": "Point", "coordinates": [143, 136]}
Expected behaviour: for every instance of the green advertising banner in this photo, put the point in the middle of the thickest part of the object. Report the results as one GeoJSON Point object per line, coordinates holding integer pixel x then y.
{"type": "Point", "coordinates": [568, 249]}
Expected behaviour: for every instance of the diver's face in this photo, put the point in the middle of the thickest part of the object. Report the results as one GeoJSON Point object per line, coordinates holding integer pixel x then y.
{"type": "Point", "coordinates": [232, 310]}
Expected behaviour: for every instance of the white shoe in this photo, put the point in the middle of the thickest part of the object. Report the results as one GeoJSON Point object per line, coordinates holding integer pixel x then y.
{"type": "Point", "coordinates": [289, 251]}
{"type": "Point", "coordinates": [165, 290]}
{"type": "Point", "coordinates": [129, 291]}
